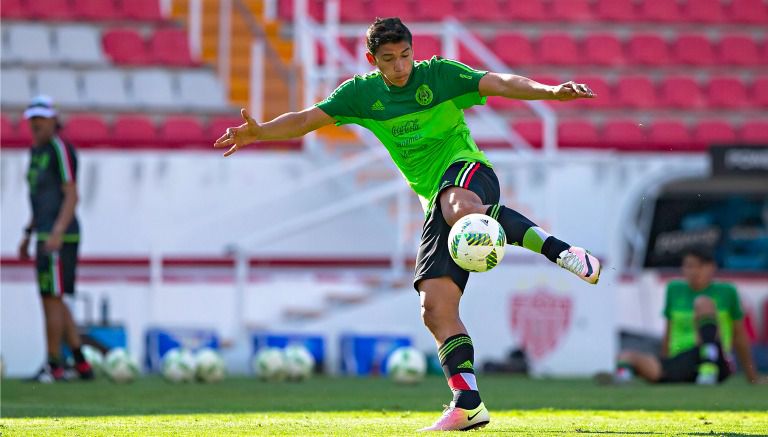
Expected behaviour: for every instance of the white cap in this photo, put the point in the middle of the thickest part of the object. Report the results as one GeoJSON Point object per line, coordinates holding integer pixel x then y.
{"type": "Point", "coordinates": [40, 106]}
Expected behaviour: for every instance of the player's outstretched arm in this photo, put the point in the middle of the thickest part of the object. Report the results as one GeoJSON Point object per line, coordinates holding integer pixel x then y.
{"type": "Point", "coordinates": [288, 125]}
{"type": "Point", "coordinates": [518, 87]}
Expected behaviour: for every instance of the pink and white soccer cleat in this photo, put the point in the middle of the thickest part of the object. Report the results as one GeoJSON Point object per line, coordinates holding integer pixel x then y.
{"type": "Point", "coordinates": [581, 263]}
{"type": "Point", "coordinates": [459, 419]}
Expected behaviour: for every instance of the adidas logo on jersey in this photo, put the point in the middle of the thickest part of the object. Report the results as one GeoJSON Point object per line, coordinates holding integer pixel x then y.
{"type": "Point", "coordinates": [378, 106]}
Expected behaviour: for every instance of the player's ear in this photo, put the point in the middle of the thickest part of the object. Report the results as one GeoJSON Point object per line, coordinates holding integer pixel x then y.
{"type": "Point", "coordinates": [370, 58]}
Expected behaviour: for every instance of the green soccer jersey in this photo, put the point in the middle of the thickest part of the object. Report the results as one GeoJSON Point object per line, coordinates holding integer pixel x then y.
{"type": "Point", "coordinates": [421, 124]}
{"type": "Point", "coordinates": [678, 310]}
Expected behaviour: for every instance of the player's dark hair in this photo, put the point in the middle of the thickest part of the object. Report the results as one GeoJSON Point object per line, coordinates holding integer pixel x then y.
{"type": "Point", "coordinates": [701, 253]}
{"type": "Point", "coordinates": [386, 30]}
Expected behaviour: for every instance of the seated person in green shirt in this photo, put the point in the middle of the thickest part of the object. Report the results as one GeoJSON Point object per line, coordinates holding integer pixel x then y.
{"type": "Point", "coordinates": [704, 324]}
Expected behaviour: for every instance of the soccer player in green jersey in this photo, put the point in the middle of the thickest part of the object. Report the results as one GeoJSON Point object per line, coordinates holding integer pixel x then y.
{"type": "Point", "coordinates": [704, 324]}
{"type": "Point", "coordinates": [416, 110]}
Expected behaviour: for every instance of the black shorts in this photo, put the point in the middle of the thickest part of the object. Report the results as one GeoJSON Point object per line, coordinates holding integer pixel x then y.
{"type": "Point", "coordinates": [434, 259]}
{"type": "Point", "coordinates": [684, 367]}
{"type": "Point", "coordinates": [56, 270]}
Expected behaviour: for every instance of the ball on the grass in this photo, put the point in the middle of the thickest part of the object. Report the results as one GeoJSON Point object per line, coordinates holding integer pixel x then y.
{"type": "Point", "coordinates": [179, 365]}
{"type": "Point", "coordinates": [299, 362]}
{"type": "Point", "coordinates": [269, 364]}
{"type": "Point", "coordinates": [94, 357]}
{"type": "Point", "coordinates": [209, 366]}
{"type": "Point", "coordinates": [120, 366]}
{"type": "Point", "coordinates": [406, 365]}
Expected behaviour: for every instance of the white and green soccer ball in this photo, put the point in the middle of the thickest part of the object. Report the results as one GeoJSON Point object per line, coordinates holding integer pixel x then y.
{"type": "Point", "coordinates": [269, 364]}
{"type": "Point", "coordinates": [299, 362]}
{"type": "Point", "coordinates": [406, 365]}
{"type": "Point", "coordinates": [476, 243]}
{"type": "Point", "coordinates": [209, 366]}
{"type": "Point", "coordinates": [120, 366]}
{"type": "Point", "coordinates": [94, 357]}
{"type": "Point", "coordinates": [178, 365]}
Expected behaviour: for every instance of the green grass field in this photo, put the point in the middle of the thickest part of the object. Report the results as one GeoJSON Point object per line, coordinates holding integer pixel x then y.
{"type": "Point", "coordinates": [355, 407]}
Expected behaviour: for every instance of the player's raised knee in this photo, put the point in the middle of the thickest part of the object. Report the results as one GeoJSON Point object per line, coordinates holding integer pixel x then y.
{"type": "Point", "coordinates": [458, 202]}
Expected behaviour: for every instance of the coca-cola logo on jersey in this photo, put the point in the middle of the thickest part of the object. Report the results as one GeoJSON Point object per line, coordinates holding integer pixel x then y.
{"type": "Point", "coordinates": [539, 320]}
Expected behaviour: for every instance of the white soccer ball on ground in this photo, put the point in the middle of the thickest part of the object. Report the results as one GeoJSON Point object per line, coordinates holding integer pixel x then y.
{"type": "Point", "coordinates": [120, 366]}
{"type": "Point", "coordinates": [179, 365]}
{"type": "Point", "coordinates": [269, 364]}
{"type": "Point", "coordinates": [299, 362]}
{"type": "Point", "coordinates": [94, 357]}
{"type": "Point", "coordinates": [406, 365]}
{"type": "Point", "coordinates": [476, 242]}
{"type": "Point", "coordinates": [210, 366]}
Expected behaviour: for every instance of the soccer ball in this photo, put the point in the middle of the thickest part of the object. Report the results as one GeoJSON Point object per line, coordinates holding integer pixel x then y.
{"type": "Point", "coordinates": [178, 365]}
{"type": "Point", "coordinates": [94, 357]}
{"type": "Point", "coordinates": [209, 366]}
{"type": "Point", "coordinates": [269, 364]}
{"type": "Point", "coordinates": [476, 242]}
{"type": "Point", "coordinates": [299, 362]}
{"type": "Point", "coordinates": [406, 365]}
{"type": "Point", "coordinates": [120, 367]}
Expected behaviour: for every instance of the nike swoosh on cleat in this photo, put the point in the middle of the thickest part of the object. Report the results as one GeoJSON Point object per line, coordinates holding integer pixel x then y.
{"type": "Point", "coordinates": [589, 265]}
{"type": "Point", "coordinates": [474, 415]}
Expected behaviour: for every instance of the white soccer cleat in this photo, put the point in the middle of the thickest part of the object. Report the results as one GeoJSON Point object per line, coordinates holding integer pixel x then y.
{"type": "Point", "coordinates": [581, 263]}
{"type": "Point", "coordinates": [459, 419]}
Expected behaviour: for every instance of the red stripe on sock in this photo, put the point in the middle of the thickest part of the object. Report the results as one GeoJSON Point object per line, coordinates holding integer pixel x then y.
{"type": "Point", "coordinates": [456, 382]}
{"type": "Point", "coordinates": [469, 177]}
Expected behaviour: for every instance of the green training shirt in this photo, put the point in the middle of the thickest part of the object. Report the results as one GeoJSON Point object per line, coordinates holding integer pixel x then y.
{"type": "Point", "coordinates": [421, 124]}
{"type": "Point", "coordinates": [678, 309]}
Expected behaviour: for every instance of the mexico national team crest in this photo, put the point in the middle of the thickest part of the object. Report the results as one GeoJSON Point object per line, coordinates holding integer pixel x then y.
{"type": "Point", "coordinates": [540, 319]}
{"type": "Point", "coordinates": [424, 95]}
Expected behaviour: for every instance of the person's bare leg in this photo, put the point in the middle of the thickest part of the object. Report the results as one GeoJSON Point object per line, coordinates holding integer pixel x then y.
{"type": "Point", "coordinates": [54, 327]}
{"type": "Point", "coordinates": [71, 335]}
{"type": "Point", "coordinates": [644, 365]}
{"type": "Point", "coordinates": [440, 299]}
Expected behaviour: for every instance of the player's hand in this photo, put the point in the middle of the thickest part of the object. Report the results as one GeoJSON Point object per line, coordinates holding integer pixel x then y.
{"type": "Point", "coordinates": [239, 136]}
{"type": "Point", "coordinates": [572, 90]}
{"type": "Point", "coordinates": [24, 249]}
{"type": "Point", "coordinates": [53, 243]}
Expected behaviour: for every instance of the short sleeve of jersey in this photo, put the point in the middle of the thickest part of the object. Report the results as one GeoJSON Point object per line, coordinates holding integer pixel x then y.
{"type": "Point", "coordinates": [66, 161]}
{"type": "Point", "coordinates": [461, 80]}
{"type": "Point", "coordinates": [735, 310]}
{"type": "Point", "coordinates": [341, 103]}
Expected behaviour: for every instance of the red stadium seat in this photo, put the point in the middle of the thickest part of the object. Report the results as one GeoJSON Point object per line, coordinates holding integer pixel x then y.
{"type": "Point", "coordinates": [436, 10]}
{"type": "Point", "coordinates": [469, 58]}
{"type": "Point", "coordinates": [636, 92]}
{"type": "Point", "coordinates": [755, 132]}
{"type": "Point", "coordinates": [605, 96]}
{"type": "Point", "coordinates": [669, 135]}
{"type": "Point", "coordinates": [134, 131]}
{"type": "Point", "coordinates": [759, 92]}
{"type": "Point", "coordinates": [483, 10]}
{"type": "Point", "coordinates": [86, 130]}
{"type": "Point", "coordinates": [513, 49]}
{"type": "Point", "coordinates": [727, 92]}
{"type": "Point", "coordinates": [95, 9]}
{"type": "Point", "coordinates": [624, 134]}
{"type": "Point", "coordinates": [616, 10]}
{"type": "Point", "coordinates": [749, 11]}
{"type": "Point", "coordinates": [353, 11]}
{"type": "Point", "coordinates": [143, 10]}
{"type": "Point", "coordinates": [648, 49]}
{"type": "Point", "coordinates": [704, 11]}
{"type": "Point", "coordinates": [426, 46]}
{"type": "Point", "coordinates": [681, 92]}
{"type": "Point", "coordinates": [170, 46]}
{"type": "Point", "coordinates": [530, 130]}
{"type": "Point", "coordinates": [693, 50]}
{"type": "Point", "coordinates": [394, 8]}
{"type": "Point", "coordinates": [316, 9]}
{"type": "Point", "coordinates": [577, 133]}
{"type": "Point", "coordinates": [664, 11]}
{"type": "Point", "coordinates": [182, 131]}
{"type": "Point", "coordinates": [504, 104]}
{"type": "Point", "coordinates": [14, 134]}
{"type": "Point", "coordinates": [49, 10]}
{"type": "Point", "coordinates": [559, 49]}
{"type": "Point", "coordinates": [603, 49]}
{"type": "Point", "coordinates": [529, 10]}
{"type": "Point", "coordinates": [13, 9]}
{"type": "Point", "coordinates": [739, 50]}
{"type": "Point", "coordinates": [571, 10]}
{"type": "Point", "coordinates": [712, 132]}
{"type": "Point", "coordinates": [125, 46]}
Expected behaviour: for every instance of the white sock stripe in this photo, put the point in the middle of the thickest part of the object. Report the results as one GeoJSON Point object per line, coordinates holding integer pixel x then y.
{"type": "Point", "coordinates": [541, 233]}
{"type": "Point", "coordinates": [469, 378]}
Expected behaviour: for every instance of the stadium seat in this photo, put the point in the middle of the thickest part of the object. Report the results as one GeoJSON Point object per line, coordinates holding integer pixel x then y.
{"type": "Point", "coordinates": [14, 134]}
{"type": "Point", "coordinates": [636, 92]}
{"type": "Point", "coordinates": [483, 10]}
{"type": "Point", "coordinates": [759, 92]}
{"type": "Point", "coordinates": [13, 9]}
{"type": "Point", "coordinates": [616, 10]}
{"type": "Point", "coordinates": [648, 49]}
{"type": "Point", "coordinates": [426, 46]}
{"type": "Point", "coordinates": [755, 132]}
{"type": "Point", "coordinates": [727, 92]}
{"type": "Point", "coordinates": [681, 92]}
{"type": "Point", "coordinates": [577, 133]}
{"type": "Point", "coordinates": [748, 11]}
{"type": "Point", "coordinates": [354, 11]}
{"type": "Point", "coordinates": [201, 90]}
{"type": "Point", "coordinates": [664, 11]}
{"type": "Point", "coordinates": [528, 10]}
{"type": "Point", "coordinates": [15, 89]}
{"type": "Point", "coordinates": [49, 10]}
{"type": "Point", "coordinates": [316, 9]}
{"type": "Point", "coordinates": [704, 11]}
{"type": "Point", "coordinates": [154, 89]}
{"type": "Point", "coordinates": [468, 57]}
{"type": "Point", "coordinates": [513, 49]}
{"type": "Point", "coordinates": [125, 47]}
{"type": "Point", "coordinates": [182, 131]}
{"type": "Point", "coordinates": [134, 130]}
{"type": "Point", "coordinates": [739, 50]}
{"type": "Point", "coordinates": [605, 95]}
{"type": "Point", "coordinates": [61, 84]}
{"type": "Point", "coordinates": [96, 10]}
{"type": "Point", "coordinates": [693, 50]}
{"type": "Point", "coordinates": [571, 10]}
{"type": "Point", "coordinates": [710, 132]}
{"type": "Point", "coordinates": [28, 44]}
{"type": "Point", "coordinates": [603, 49]}
{"type": "Point", "coordinates": [170, 46]}
{"type": "Point", "coordinates": [86, 130]}
{"type": "Point", "coordinates": [105, 88]}
{"type": "Point", "coordinates": [530, 130]}
{"type": "Point", "coordinates": [143, 10]}
{"type": "Point", "coordinates": [394, 8]}
{"type": "Point", "coordinates": [79, 44]}
{"type": "Point", "coordinates": [624, 135]}
{"type": "Point", "coordinates": [559, 49]}
{"type": "Point", "coordinates": [504, 104]}
{"type": "Point", "coordinates": [436, 10]}
{"type": "Point", "coordinates": [669, 135]}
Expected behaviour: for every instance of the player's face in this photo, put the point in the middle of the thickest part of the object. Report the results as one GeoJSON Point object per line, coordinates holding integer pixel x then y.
{"type": "Point", "coordinates": [395, 61]}
{"type": "Point", "coordinates": [42, 129]}
{"type": "Point", "coordinates": [698, 273]}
